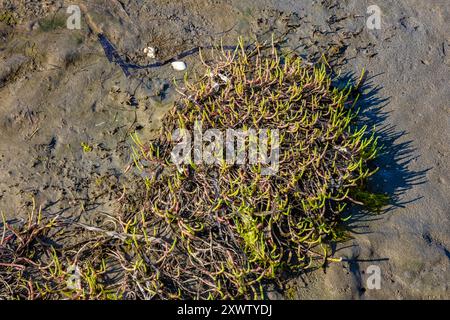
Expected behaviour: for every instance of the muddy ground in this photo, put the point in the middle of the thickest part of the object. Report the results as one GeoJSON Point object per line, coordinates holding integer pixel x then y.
{"type": "Point", "coordinates": [58, 91]}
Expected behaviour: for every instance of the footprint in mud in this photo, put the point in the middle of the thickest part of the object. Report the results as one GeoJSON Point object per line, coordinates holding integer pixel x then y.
{"type": "Point", "coordinates": [446, 51]}
{"type": "Point", "coordinates": [123, 98]}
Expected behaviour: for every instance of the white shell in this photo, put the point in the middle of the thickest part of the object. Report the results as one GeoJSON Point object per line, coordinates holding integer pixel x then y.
{"type": "Point", "coordinates": [179, 65]}
{"type": "Point", "coordinates": [151, 52]}
{"type": "Point", "coordinates": [215, 86]}
{"type": "Point", "coordinates": [224, 78]}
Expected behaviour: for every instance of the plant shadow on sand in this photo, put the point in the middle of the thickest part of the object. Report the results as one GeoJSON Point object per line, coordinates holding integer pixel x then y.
{"type": "Point", "coordinates": [393, 179]}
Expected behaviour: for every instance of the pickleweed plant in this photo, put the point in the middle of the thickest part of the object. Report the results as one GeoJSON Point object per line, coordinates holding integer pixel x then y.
{"type": "Point", "coordinates": [238, 226]}
{"type": "Point", "coordinates": [201, 229]}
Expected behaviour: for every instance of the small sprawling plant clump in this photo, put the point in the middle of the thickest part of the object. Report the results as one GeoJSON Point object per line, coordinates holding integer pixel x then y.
{"type": "Point", "coordinates": [234, 225]}
{"type": "Point", "coordinates": [220, 231]}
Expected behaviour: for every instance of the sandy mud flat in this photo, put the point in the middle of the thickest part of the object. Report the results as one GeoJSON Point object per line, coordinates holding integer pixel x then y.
{"type": "Point", "coordinates": [66, 114]}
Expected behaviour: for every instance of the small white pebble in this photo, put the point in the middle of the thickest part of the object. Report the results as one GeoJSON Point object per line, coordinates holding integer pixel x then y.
{"type": "Point", "coordinates": [224, 78]}
{"type": "Point", "coordinates": [179, 65]}
{"type": "Point", "coordinates": [150, 52]}
{"type": "Point", "coordinates": [215, 86]}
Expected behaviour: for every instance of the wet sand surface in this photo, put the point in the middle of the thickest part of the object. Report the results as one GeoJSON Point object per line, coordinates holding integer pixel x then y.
{"type": "Point", "coordinates": [58, 91]}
